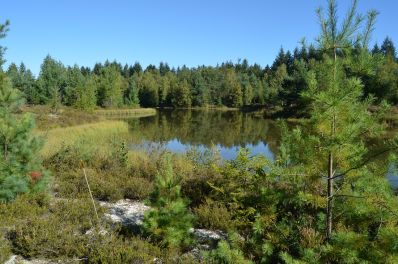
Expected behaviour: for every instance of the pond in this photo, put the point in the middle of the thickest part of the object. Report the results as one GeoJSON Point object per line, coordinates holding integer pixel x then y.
{"type": "Point", "coordinates": [227, 131]}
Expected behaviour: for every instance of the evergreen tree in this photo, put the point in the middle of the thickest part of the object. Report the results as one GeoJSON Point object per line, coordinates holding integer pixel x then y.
{"type": "Point", "coordinates": [52, 82]}
{"type": "Point", "coordinates": [85, 93]}
{"type": "Point", "coordinates": [388, 48]}
{"type": "Point", "coordinates": [74, 79]}
{"type": "Point", "coordinates": [169, 221]}
{"type": "Point", "coordinates": [28, 85]}
{"type": "Point", "coordinates": [20, 168]}
{"type": "Point", "coordinates": [199, 90]}
{"type": "Point", "coordinates": [336, 97]}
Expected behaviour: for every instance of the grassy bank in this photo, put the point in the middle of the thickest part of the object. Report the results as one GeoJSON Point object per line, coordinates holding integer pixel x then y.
{"type": "Point", "coordinates": [95, 134]}
{"type": "Point", "coordinates": [117, 113]}
{"type": "Point", "coordinates": [47, 119]}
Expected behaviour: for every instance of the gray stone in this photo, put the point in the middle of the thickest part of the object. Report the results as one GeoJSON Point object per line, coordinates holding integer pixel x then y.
{"type": "Point", "coordinates": [20, 260]}
{"type": "Point", "coordinates": [126, 212]}
{"type": "Point", "coordinates": [205, 236]}
{"type": "Point", "coordinates": [131, 214]}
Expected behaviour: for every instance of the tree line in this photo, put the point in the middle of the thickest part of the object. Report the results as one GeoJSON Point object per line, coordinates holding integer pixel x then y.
{"type": "Point", "coordinates": [279, 86]}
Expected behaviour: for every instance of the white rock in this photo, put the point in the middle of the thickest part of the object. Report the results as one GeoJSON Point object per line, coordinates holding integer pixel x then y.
{"type": "Point", "coordinates": [205, 236]}
{"type": "Point", "coordinates": [19, 260]}
{"type": "Point", "coordinates": [126, 212]}
{"type": "Point", "coordinates": [131, 213]}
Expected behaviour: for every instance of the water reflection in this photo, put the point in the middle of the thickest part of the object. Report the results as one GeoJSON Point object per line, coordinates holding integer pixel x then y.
{"type": "Point", "coordinates": [180, 130]}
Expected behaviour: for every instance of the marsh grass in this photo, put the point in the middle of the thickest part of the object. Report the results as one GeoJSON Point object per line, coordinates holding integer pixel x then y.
{"type": "Point", "coordinates": [64, 117]}
{"type": "Point", "coordinates": [126, 113]}
{"type": "Point", "coordinates": [89, 136]}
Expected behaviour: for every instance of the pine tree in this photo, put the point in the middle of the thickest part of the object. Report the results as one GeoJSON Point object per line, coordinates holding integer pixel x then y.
{"type": "Point", "coordinates": [169, 221]}
{"type": "Point", "coordinates": [20, 168]}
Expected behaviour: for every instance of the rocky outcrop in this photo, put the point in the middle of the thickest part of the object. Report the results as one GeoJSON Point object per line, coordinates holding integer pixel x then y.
{"type": "Point", "coordinates": [20, 260]}
{"type": "Point", "coordinates": [130, 214]}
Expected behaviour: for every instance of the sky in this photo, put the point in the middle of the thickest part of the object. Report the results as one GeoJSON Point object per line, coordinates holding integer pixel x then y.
{"type": "Point", "coordinates": [179, 32]}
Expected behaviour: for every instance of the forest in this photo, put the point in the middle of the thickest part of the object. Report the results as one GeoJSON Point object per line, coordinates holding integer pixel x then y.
{"type": "Point", "coordinates": [74, 189]}
{"type": "Point", "coordinates": [278, 87]}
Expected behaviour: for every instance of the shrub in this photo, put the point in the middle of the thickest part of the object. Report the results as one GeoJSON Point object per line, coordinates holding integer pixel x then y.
{"type": "Point", "coordinates": [214, 215]}
{"type": "Point", "coordinates": [113, 250]}
{"type": "Point", "coordinates": [5, 250]}
{"type": "Point", "coordinates": [55, 232]}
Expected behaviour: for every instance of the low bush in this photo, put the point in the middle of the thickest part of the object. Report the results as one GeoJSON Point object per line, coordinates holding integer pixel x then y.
{"type": "Point", "coordinates": [214, 215]}
{"type": "Point", "coordinates": [58, 232]}
{"type": "Point", "coordinates": [115, 250]}
{"type": "Point", "coordinates": [5, 249]}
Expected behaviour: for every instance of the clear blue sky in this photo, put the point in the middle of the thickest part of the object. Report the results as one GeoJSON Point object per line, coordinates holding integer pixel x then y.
{"type": "Point", "coordinates": [191, 32]}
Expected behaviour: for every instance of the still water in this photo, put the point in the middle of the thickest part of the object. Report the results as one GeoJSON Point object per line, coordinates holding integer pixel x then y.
{"type": "Point", "coordinates": [227, 131]}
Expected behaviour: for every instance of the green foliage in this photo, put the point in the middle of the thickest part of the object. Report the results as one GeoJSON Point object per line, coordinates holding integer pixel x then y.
{"type": "Point", "coordinates": [110, 87]}
{"type": "Point", "coordinates": [215, 215]}
{"type": "Point", "coordinates": [3, 32]}
{"type": "Point", "coordinates": [51, 82]}
{"type": "Point", "coordinates": [227, 253]}
{"type": "Point", "coordinates": [148, 92]}
{"type": "Point", "coordinates": [169, 221]}
{"type": "Point", "coordinates": [20, 169]}
{"type": "Point", "coordinates": [239, 188]}
{"type": "Point", "coordinates": [131, 95]}
{"type": "Point", "coordinates": [180, 94]}
{"type": "Point", "coordinates": [86, 95]}
{"type": "Point", "coordinates": [233, 90]}
{"type": "Point", "coordinates": [23, 80]}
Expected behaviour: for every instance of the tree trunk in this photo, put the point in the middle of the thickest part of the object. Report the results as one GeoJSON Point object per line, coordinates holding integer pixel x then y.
{"type": "Point", "coordinates": [329, 209]}
{"type": "Point", "coordinates": [329, 217]}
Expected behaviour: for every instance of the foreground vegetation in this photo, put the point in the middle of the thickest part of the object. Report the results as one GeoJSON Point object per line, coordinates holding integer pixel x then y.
{"type": "Point", "coordinates": [322, 200]}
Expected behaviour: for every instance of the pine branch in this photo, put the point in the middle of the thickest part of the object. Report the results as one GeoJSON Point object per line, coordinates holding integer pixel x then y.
{"type": "Point", "coordinates": [364, 162]}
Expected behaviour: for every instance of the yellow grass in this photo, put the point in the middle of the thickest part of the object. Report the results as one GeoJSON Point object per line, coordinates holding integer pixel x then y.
{"type": "Point", "coordinates": [95, 134]}
{"type": "Point", "coordinates": [137, 112]}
